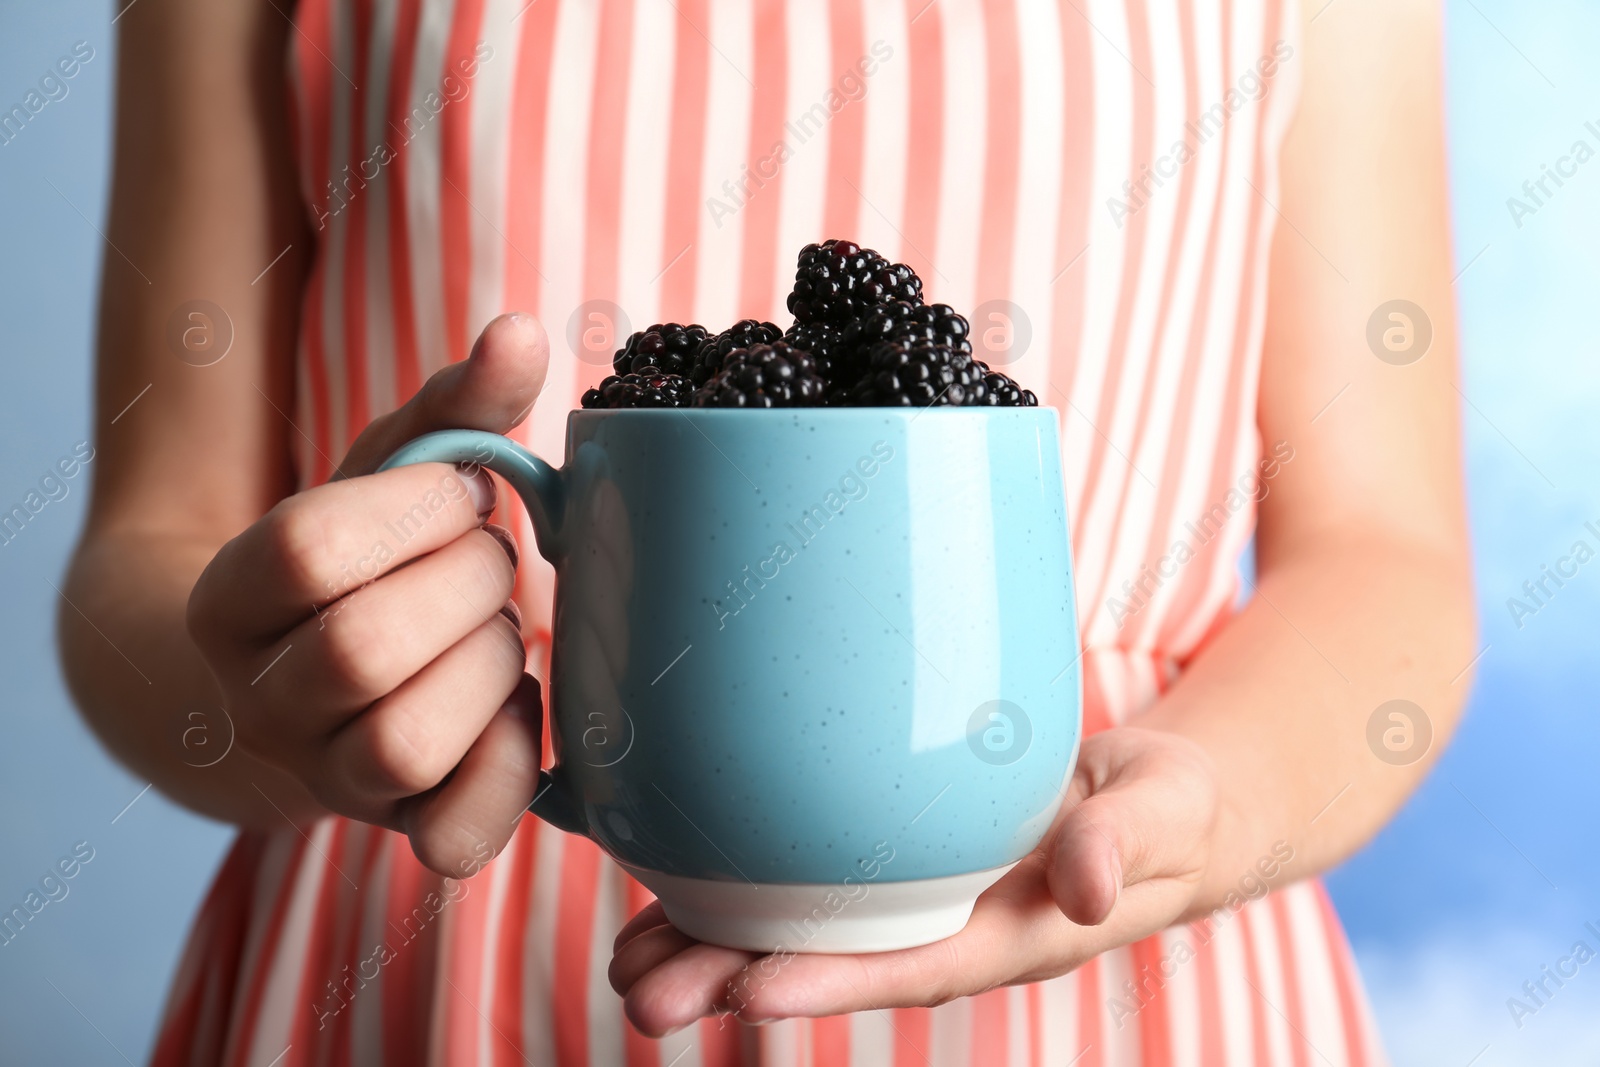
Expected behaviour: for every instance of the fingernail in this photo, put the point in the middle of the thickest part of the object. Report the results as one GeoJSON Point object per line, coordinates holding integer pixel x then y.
{"type": "Point", "coordinates": [525, 702]}
{"type": "Point", "coordinates": [513, 613]}
{"type": "Point", "coordinates": [479, 486]}
{"type": "Point", "coordinates": [503, 535]}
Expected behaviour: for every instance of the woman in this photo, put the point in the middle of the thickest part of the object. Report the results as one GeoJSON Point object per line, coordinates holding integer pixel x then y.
{"type": "Point", "coordinates": [1193, 210]}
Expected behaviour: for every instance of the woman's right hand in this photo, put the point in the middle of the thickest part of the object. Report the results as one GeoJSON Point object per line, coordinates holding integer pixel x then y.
{"type": "Point", "coordinates": [363, 632]}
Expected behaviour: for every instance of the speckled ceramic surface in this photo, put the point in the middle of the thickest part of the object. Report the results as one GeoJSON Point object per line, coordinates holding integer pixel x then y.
{"type": "Point", "coordinates": [788, 643]}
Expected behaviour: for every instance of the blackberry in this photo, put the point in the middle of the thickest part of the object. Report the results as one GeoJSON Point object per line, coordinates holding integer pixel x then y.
{"type": "Point", "coordinates": [903, 321]}
{"type": "Point", "coordinates": [776, 375]}
{"type": "Point", "coordinates": [648, 388]}
{"type": "Point", "coordinates": [899, 320]}
{"type": "Point", "coordinates": [919, 374]}
{"type": "Point", "coordinates": [838, 281]}
{"type": "Point", "coordinates": [742, 334]}
{"type": "Point", "coordinates": [667, 346]}
{"type": "Point", "coordinates": [1002, 392]}
{"type": "Point", "coordinates": [824, 343]}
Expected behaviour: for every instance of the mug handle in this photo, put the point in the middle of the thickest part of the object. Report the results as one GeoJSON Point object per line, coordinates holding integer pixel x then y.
{"type": "Point", "coordinates": [543, 491]}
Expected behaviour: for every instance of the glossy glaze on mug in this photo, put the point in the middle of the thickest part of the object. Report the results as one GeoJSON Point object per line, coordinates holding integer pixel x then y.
{"type": "Point", "coordinates": [779, 636]}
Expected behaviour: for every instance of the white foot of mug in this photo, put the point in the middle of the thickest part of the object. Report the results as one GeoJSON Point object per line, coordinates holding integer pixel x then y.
{"type": "Point", "coordinates": [866, 916]}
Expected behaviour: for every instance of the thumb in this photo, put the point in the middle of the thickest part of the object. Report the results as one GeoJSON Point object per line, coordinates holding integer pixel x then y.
{"type": "Point", "coordinates": [1085, 867]}
{"type": "Point", "coordinates": [492, 389]}
{"type": "Point", "coordinates": [1149, 801]}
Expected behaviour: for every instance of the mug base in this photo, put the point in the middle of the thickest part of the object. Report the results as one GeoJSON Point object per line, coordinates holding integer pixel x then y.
{"type": "Point", "coordinates": [819, 918]}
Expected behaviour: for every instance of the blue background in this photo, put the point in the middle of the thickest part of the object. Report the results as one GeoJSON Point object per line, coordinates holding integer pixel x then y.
{"type": "Point", "coordinates": [1486, 876]}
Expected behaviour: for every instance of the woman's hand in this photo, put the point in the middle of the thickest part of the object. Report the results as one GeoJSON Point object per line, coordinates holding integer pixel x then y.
{"type": "Point", "coordinates": [363, 634]}
{"type": "Point", "coordinates": [1122, 861]}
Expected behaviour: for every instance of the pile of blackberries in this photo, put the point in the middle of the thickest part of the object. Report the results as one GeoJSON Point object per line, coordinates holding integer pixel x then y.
{"type": "Point", "coordinates": [862, 337]}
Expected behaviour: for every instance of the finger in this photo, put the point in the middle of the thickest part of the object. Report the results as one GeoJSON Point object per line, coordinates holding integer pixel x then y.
{"type": "Point", "coordinates": [324, 543]}
{"type": "Point", "coordinates": [693, 984]}
{"type": "Point", "coordinates": [474, 812]}
{"type": "Point", "coordinates": [1015, 933]}
{"type": "Point", "coordinates": [650, 916]}
{"type": "Point", "coordinates": [372, 641]}
{"type": "Point", "coordinates": [1148, 815]}
{"type": "Point", "coordinates": [1087, 868]}
{"type": "Point", "coordinates": [492, 389]}
{"type": "Point", "coordinates": [817, 985]}
{"type": "Point", "coordinates": [644, 953]}
{"type": "Point", "coordinates": [407, 742]}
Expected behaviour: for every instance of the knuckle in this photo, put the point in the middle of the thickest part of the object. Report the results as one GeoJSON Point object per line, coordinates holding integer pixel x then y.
{"type": "Point", "coordinates": [255, 741]}
{"type": "Point", "coordinates": [326, 791]}
{"type": "Point", "coordinates": [361, 658]}
{"type": "Point", "coordinates": [253, 731]}
{"type": "Point", "coordinates": [430, 406]}
{"type": "Point", "coordinates": [380, 436]}
{"type": "Point", "coordinates": [948, 974]}
{"type": "Point", "coordinates": [200, 613]}
{"type": "Point", "coordinates": [337, 794]}
{"type": "Point", "coordinates": [206, 608]}
{"type": "Point", "coordinates": [406, 760]}
{"type": "Point", "coordinates": [935, 971]}
{"type": "Point", "coordinates": [299, 546]}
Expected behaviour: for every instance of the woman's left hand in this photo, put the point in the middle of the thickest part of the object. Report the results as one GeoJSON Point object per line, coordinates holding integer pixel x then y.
{"type": "Point", "coordinates": [1123, 860]}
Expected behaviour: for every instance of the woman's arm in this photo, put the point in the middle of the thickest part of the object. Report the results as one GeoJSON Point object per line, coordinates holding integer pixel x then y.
{"type": "Point", "coordinates": [203, 199]}
{"type": "Point", "coordinates": [405, 705]}
{"type": "Point", "coordinates": [1364, 589]}
{"type": "Point", "coordinates": [1363, 596]}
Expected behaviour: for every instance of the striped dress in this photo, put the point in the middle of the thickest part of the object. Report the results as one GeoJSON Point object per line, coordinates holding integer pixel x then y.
{"type": "Point", "coordinates": [1095, 176]}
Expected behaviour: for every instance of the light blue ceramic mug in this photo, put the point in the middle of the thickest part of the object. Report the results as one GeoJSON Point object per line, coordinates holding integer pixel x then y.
{"type": "Point", "coordinates": [814, 679]}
